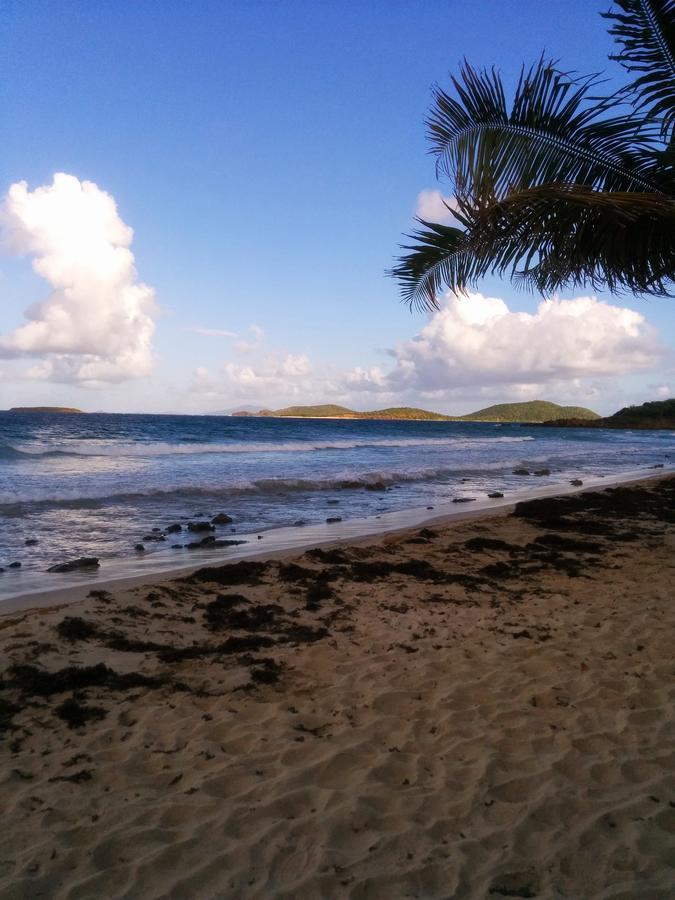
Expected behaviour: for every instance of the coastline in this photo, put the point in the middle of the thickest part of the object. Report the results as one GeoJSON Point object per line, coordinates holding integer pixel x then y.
{"type": "Point", "coordinates": [287, 541]}
{"type": "Point", "coordinates": [474, 709]}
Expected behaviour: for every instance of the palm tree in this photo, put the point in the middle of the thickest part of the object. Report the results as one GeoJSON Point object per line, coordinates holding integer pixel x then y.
{"type": "Point", "coordinates": [565, 188]}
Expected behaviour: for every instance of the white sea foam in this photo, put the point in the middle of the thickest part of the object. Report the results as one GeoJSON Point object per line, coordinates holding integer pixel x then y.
{"type": "Point", "coordinates": [142, 448]}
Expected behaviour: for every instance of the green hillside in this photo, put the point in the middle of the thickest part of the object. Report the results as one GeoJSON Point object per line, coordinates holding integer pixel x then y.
{"type": "Point", "coordinates": [653, 414]}
{"type": "Point", "coordinates": [405, 412]}
{"type": "Point", "coordinates": [324, 411]}
{"type": "Point", "coordinates": [530, 411]}
{"type": "Point", "coordinates": [332, 411]}
{"type": "Point", "coordinates": [44, 409]}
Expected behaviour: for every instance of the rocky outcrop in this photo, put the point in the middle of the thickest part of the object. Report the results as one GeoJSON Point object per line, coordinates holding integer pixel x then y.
{"type": "Point", "coordinates": [73, 565]}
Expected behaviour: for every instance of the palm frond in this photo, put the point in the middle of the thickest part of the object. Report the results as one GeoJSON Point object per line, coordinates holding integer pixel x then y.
{"type": "Point", "coordinates": [438, 259]}
{"type": "Point", "coordinates": [559, 235]}
{"type": "Point", "coordinates": [548, 238]}
{"type": "Point", "coordinates": [645, 29]}
{"type": "Point", "coordinates": [552, 132]}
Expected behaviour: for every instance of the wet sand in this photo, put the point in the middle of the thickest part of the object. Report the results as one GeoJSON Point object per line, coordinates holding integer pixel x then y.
{"type": "Point", "coordinates": [482, 709]}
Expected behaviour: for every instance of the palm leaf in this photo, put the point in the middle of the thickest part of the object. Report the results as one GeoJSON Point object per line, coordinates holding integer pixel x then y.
{"type": "Point", "coordinates": [547, 238]}
{"type": "Point", "coordinates": [558, 187]}
{"type": "Point", "coordinates": [570, 235]}
{"type": "Point", "coordinates": [552, 132]}
{"type": "Point", "coordinates": [645, 29]}
{"type": "Point", "coordinates": [438, 259]}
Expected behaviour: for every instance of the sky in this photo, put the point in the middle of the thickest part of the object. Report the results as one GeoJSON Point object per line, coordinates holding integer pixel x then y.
{"type": "Point", "coordinates": [199, 202]}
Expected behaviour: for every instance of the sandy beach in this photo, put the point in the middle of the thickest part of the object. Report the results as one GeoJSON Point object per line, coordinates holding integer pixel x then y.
{"type": "Point", "coordinates": [475, 710]}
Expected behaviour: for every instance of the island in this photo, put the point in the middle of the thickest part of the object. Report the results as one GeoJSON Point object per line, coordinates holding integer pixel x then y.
{"type": "Point", "coordinates": [532, 411]}
{"type": "Point", "coordinates": [653, 414]}
{"type": "Point", "coordinates": [45, 409]}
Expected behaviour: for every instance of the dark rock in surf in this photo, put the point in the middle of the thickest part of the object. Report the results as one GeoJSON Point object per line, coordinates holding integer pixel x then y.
{"type": "Point", "coordinates": [31, 542]}
{"type": "Point", "coordinates": [210, 542]}
{"type": "Point", "coordinates": [332, 519]}
{"type": "Point", "coordinates": [540, 472]}
{"type": "Point", "coordinates": [577, 482]}
{"type": "Point", "coordinates": [521, 472]}
{"type": "Point", "coordinates": [73, 565]}
{"type": "Point", "coordinates": [139, 548]}
{"type": "Point", "coordinates": [14, 565]}
{"type": "Point", "coordinates": [463, 499]}
{"type": "Point", "coordinates": [157, 538]}
{"type": "Point", "coordinates": [201, 526]}
{"type": "Point", "coordinates": [495, 495]}
{"type": "Point", "coordinates": [174, 529]}
{"type": "Point", "coordinates": [221, 519]}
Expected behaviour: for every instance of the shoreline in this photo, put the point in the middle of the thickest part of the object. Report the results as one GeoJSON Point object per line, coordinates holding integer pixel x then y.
{"type": "Point", "coordinates": [290, 541]}
{"type": "Point", "coordinates": [482, 708]}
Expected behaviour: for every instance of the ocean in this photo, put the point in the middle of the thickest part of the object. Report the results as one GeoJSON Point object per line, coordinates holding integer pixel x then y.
{"type": "Point", "coordinates": [98, 484]}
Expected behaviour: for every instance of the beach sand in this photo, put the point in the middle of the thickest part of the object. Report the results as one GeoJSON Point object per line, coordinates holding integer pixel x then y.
{"type": "Point", "coordinates": [478, 710]}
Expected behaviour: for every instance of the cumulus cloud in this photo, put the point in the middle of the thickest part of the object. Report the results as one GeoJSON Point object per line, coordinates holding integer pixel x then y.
{"type": "Point", "coordinates": [472, 352]}
{"type": "Point", "coordinates": [97, 323]}
{"type": "Point", "coordinates": [432, 206]}
{"type": "Point", "coordinates": [287, 374]}
{"type": "Point", "coordinates": [476, 341]}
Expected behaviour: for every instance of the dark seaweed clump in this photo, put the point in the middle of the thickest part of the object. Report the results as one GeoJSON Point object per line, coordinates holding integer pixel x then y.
{"type": "Point", "coordinates": [332, 557]}
{"type": "Point", "coordinates": [217, 611]}
{"type": "Point", "coordinates": [74, 628]}
{"type": "Point", "coordinates": [243, 572]}
{"type": "Point", "coordinates": [481, 543]}
{"type": "Point", "coordinates": [594, 512]}
{"type": "Point", "coordinates": [317, 592]}
{"type": "Point", "coordinates": [566, 544]}
{"type": "Point", "coordinates": [7, 712]}
{"type": "Point", "coordinates": [266, 671]}
{"type": "Point", "coordinates": [77, 714]}
{"type": "Point", "coordinates": [35, 682]}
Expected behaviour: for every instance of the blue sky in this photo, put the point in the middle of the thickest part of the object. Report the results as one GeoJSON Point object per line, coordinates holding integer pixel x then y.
{"type": "Point", "coordinates": [269, 156]}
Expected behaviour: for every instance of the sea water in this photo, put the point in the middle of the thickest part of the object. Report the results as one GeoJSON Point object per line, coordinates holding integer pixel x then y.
{"type": "Point", "coordinates": [97, 484]}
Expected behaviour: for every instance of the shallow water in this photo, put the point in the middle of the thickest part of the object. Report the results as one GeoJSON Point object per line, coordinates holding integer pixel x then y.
{"type": "Point", "coordinates": [95, 485]}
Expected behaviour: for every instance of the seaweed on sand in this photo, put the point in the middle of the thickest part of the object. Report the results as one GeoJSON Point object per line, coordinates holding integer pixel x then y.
{"type": "Point", "coordinates": [77, 714]}
{"type": "Point", "coordinates": [35, 682]}
{"type": "Point", "coordinates": [74, 628]}
{"type": "Point", "coordinates": [217, 611]}
{"type": "Point", "coordinates": [244, 572]}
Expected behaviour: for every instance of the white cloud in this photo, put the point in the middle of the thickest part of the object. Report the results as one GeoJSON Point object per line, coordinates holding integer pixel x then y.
{"type": "Point", "coordinates": [432, 206]}
{"type": "Point", "coordinates": [97, 323]}
{"type": "Point", "coordinates": [213, 332]}
{"type": "Point", "coordinates": [664, 391]}
{"type": "Point", "coordinates": [476, 341]}
{"type": "Point", "coordinates": [471, 353]}
{"type": "Point", "coordinates": [276, 375]}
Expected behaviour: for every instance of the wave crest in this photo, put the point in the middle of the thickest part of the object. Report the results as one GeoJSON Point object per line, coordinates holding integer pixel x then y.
{"type": "Point", "coordinates": [121, 448]}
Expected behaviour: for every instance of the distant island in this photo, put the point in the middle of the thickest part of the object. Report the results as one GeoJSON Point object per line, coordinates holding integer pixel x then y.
{"type": "Point", "coordinates": [651, 415]}
{"type": "Point", "coordinates": [537, 411]}
{"type": "Point", "coordinates": [44, 409]}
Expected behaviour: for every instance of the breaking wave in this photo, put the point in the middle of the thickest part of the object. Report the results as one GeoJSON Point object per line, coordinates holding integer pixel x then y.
{"type": "Point", "coordinates": [140, 448]}
{"type": "Point", "coordinates": [11, 504]}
